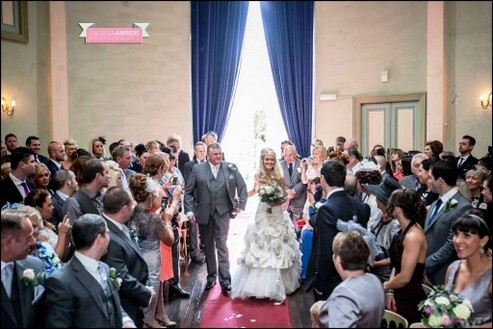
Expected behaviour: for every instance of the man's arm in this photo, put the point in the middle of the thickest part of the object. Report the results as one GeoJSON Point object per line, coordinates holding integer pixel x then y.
{"type": "Point", "coordinates": [72, 209]}
{"type": "Point", "coordinates": [59, 305]}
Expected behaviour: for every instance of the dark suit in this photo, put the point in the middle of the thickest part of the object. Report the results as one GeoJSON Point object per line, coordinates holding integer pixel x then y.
{"type": "Point", "coordinates": [441, 252]}
{"type": "Point", "coordinates": [125, 256]}
{"type": "Point", "coordinates": [293, 182]}
{"type": "Point", "coordinates": [42, 159]}
{"type": "Point", "coordinates": [338, 206]}
{"type": "Point", "coordinates": [10, 193]}
{"type": "Point", "coordinates": [74, 298]}
{"type": "Point", "coordinates": [183, 158]}
{"type": "Point", "coordinates": [57, 215]}
{"type": "Point", "coordinates": [465, 166]}
{"type": "Point", "coordinates": [211, 200]}
{"type": "Point", "coordinates": [29, 314]}
{"type": "Point", "coordinates": [52, 167]}
{"type": "Point", "coordinates": [193, 228]}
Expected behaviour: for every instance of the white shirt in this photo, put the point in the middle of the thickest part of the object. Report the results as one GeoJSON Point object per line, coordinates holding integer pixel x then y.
{"type": "Point", "coordinates": [18, 183]}
{"type": "Point", "coordinates": [62, 195]}
{"type": "Point", "coordinates": [447, 196]}
{"type": "Point", "coordinates": [90, 264]}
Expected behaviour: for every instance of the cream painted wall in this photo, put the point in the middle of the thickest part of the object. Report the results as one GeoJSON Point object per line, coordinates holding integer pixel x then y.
{"type": "Point", "coordinates": [143, 91]}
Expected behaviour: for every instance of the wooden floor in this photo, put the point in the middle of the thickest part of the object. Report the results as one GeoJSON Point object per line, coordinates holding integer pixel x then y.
{"type": "Point", "coordinates": [187, 312]}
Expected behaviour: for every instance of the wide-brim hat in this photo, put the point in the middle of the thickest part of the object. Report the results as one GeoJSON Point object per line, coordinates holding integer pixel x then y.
{"type": "Point", "coordinates": [384, 189]}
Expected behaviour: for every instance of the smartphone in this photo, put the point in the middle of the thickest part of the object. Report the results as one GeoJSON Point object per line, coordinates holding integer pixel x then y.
{"type": "Point", "coordinates": [174, 181]}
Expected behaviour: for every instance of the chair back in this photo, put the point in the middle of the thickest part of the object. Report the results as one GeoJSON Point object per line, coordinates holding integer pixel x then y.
{"type": "Point", "coordinates": [417, 325]}
{"type": "Point", "coordinates": [394, 320]}
{"type": "Point", "coordinates": [427, 289]}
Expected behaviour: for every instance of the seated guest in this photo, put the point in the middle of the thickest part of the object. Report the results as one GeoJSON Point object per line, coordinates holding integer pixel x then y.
{"type": "Point", "coordinates": [403, 290]}
{"type": "Point", "coordinates": [470, 276]}
{"type": "Point", "coordinates": [347, 306]}
{"type": "Point", "coordinates": [15, 187]}
{"type": "Point", "coordinates": [65, 186]}
{"type": "Point", "coordinates": [83, 293]}
{"type": "Point", "coordinates": [41, 201]}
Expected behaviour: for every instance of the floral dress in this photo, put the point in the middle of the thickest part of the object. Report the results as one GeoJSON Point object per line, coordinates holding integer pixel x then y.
{"type": "Point", "coordinates": [47, 254]}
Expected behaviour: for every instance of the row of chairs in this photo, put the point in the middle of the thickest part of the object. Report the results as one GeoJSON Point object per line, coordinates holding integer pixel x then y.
{"type": "Point", "coordinates": [394, 320]}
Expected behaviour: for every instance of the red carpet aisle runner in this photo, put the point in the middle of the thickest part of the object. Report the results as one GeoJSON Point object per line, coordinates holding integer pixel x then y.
{"type": "Point", "coordinates": [223, 312]}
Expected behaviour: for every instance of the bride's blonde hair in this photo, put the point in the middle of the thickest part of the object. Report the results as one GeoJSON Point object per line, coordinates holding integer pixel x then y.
{"type": "Point", "coordinates": [262, 175]}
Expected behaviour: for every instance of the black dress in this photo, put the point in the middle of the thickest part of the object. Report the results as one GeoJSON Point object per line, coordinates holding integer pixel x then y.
{"type": "Point", "coordinates": [408, 297]}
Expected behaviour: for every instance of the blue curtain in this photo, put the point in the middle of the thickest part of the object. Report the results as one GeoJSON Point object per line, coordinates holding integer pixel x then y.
{"type": "Point", "coordinates": [288, 29]}
{"type": "Point", "coordinates": [217, 37]}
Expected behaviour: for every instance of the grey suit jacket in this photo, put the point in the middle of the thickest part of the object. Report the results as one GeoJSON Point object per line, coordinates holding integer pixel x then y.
{"type": "Point", "coordinates": [294, 182]}
{"type": "Point", "coordinates": [409, 182]}
{"type": "Point", "coordinates": [198, 197]}
{"type": "Point", "coordinates": [75, 299]}
{"type": "Point", "coordinates": [126, 258]}
{"type": "Point", "coordinates": [441, 252]}
{"type": "Point", "coordinates": [31, 313]}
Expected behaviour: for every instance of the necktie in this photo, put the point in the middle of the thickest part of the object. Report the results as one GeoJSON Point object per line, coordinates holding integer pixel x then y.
{"type": "Point", "coordinates": [103, 279]}
{"type": "Point", "coordinates": [460, 162]}
{"type": "Point", "coordinates": [418, 185]}
{"type": "Point", "coordinates": [36, 158]}
{"type": "Point", "coordinates": [26, 189]}
{"type": "Point", "coordinates": [290, 169]}
{"type": "Point", "coordinates": [7, 278]}
{"type": "Point", "coordinates": [215, 171]}
{"type": "Point", "coordinates": [126, 231]}
{"type": "Point", "coordinates": [434, 213]}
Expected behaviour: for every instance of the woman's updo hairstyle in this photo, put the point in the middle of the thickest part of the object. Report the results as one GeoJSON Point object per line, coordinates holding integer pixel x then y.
{"type": "Point", "coordinates": [413, 207]}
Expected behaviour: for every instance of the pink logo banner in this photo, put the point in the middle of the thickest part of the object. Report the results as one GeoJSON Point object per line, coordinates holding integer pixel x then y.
{"type": "Point", "coordinates": [114, 35]}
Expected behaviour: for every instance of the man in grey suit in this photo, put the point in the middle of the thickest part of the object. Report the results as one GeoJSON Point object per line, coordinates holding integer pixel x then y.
{"type": "Point", "coordinates": [295, 188]}
{"type": "Point", "coordinates": [215, 193]}
{"type": "Point", "coordinates": [21, 305]}
{"type": "Point", "coordinates": [125, 256]}
{"type": "Point", "coordinates": [82, 293]}
{"type": "Point", "coordinates": [438, 223]}
{"type": "Point", "coordinates": [411, 182]}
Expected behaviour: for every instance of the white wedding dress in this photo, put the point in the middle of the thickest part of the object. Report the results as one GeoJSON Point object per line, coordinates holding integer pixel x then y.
{"type": "Point", "coordinates": [270, 264]}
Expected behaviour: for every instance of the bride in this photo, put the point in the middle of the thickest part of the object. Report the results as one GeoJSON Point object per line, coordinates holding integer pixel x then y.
{"type": "Point", "coordinates": [270, 264]}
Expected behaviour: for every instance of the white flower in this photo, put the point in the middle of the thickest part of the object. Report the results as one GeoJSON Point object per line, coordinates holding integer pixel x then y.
{"type": "Point", "coordinates": [435, 321]}
{"type": "Point", "coordinates": [28, 274]}
{"type": "Point", "coordinates": [298, 169]}
{"type": "Point", "coordinates": [232, 167]}
{"type": "Point", "coordinates": [119, 280]}
{"type": "Point", "coordinates": [462, 311]}
{"type": "Point", "coordinates": [442, 301]}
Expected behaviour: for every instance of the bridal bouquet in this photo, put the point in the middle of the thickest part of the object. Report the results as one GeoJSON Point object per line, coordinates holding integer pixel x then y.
{"type": "Point", "coordinates": [271, 194]}
{"type": "Point", "coordinates": [444, 309]}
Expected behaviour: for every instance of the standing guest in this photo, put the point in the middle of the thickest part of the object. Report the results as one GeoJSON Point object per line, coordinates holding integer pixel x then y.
{"type": "Point", "coordinates": [270, 263]}
{"type": "Point", "coordinates": [20, 302]}
{"type": "Point", "coordinates": [183, 156]}
{"type": "Point", "coordinates": [438, 225]}
{"type": "Point", "coordinates": [395, 156]}
{"type": "Point", "coordinates": [347, 306]}
{"type": "Point", "coordinates": [83, 293]}
{"type": "Point", "coordinates": [96, 147]}
{"type": "Point", "coordinates": [470, 276]}
{"type": "Point", "coordinates": [488, 213]}
{"type": "Point", "coordinates": [339, 205]}
{"type": "Point", "coordinates": [42, 177]}
{"type": "Point", "coordinates": [125, 256]}
{"type": "Point", "coordinates": [41, 201]}
{"type": "Point", "coordinates": [350, 144]}
{"type": "Point", "coordinates": [70, 146]}
{"type": "Point", "coordinates": [10, 143]}
{"type": "Point", "coordinates": [355, 159]}
{"type": "Point", "coordinates": [78, 165]}
{"type": "Point", "coordinates": [95, 177]}
{"type": "Point", "coordinates": [141, 154]}
{"type": "Point", "coordinates": [403, 291]}
{"type": "Point", "coordinates": [33, 143]}
{"type": "Point", "coordinates": [210, 200]}
{"type": "Point", "coordinates": [285, 143]}
{"type": "Point", "coordinates": [116, 174]}
{"type": "Point", "coordinates": [153, 147]}
{"type": "Point", "coordinates": [311, 168]}
{"type": "Point", "coordinates": [65, 186]}
{"type": "Point", "coordinates": [474, 180]}
{"type": "Point", "coordinates": [338, 145]}
{"type": "Point", "coordinates": [433, 149]}
{"type": "Point", "coordinates": [466, 160]}
{"type": "Point", "coordinates": [411, 181]}
{"type": "Point", "coordinates": [295, 189]}
{"type": "Point", "coordinates": [56, 151]}
{"type": "Point", "coordinates": [200, 154]}
{"type": "Point", "coordinates": [6, 169]}
{"type": "Point", "coordinates": [121, 155]}
{"type": "Point", "coordinates": [15, 187]}
{"type": "Point", "coordinates": [152, 230]}
{"type": "Point", "coordinates": [425, 191]}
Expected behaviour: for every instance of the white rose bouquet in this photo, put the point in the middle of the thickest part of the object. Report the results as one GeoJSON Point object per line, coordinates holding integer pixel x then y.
{"type": "Point", "coordinates": [444, 309]}
{"type": "Point", "coordinates": [271, 194]}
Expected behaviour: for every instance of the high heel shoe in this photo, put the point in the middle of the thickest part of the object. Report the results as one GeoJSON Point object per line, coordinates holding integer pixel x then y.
{"type": "Point", "coordinates": [168, 323]}
{"type": "Point", "coordinates": [153, 324]}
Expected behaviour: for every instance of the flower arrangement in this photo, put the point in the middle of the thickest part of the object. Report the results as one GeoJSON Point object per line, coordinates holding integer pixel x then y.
{"type": "Point", "coordinates": [29, 277]}
{"type": "Point", "coordinates": [444, 309]}
{"type": "Point", "coordinates": [450, 204]}
{"type": "Point", "coordinates": [271, 194]}
{"type": "Point", "coordinates": [116, 281]}
{"type": "Point", "coordinates": [133, 233]}
{"type": "Point", "coordinates": [232, 167]}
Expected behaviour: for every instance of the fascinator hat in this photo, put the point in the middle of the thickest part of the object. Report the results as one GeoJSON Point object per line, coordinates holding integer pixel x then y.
{"type": "Point", "coordinates": [152, 186]}
{"type": "Point", "coordinates": [384, 189]}
{"type": "Point", "coordinates": [368, 173]}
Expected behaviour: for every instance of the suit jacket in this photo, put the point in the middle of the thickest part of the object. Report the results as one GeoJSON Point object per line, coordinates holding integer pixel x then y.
{"type": "Point", "coordinates": [52, 167]}
{"type": "Point", "coordinates": [441, 252]}
{"type": "Point", "coordinates": [57, 215]}
{"type": "Point", "coordinates": [187, 169]}
{"type": "Point", "coordinates": [294, 182]}
{"type": "Point", "coordinates": [31, 312]}
{"type": "Point", "coordinates": [409, 182]}
{"type": "Point", "coordinates": [183, 158]}
{"type": "Point", "coordinates": [465, 166]}
{"type": "Point", "coordinates": [43, 159]}
{"type": "Point", "coordinates": [338, 206]}
{"type": "Point", "coordinates": [198, 197]}
{"type": "Point", "coordinates": [74, 298]}
{"type": "Point", "coordinates": [10, 193]}
{"type": "Point", "coordinates": [125, 256]}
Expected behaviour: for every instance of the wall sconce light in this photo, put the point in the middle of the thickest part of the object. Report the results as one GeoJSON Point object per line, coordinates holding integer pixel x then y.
{"type": "Point", "coordinates": [6, 108]}
{"type": "Point", "coordinates": [488, 102]}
